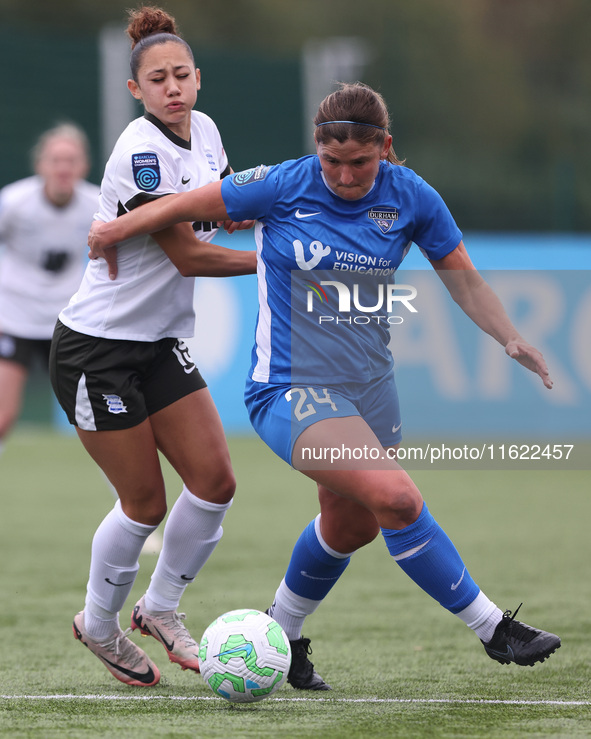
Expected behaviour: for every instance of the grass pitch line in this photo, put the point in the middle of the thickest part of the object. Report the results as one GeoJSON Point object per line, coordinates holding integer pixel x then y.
{"type": "Point", "coordinates": [424, 701]}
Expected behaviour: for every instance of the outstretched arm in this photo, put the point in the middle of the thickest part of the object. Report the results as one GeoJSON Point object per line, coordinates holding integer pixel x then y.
{"type": "Point", "coordinates": [202, 204]}
{"type": "Point", "coordinates": [192, 257]}
{"type": "Point", "coordinates": [201, 258]}
{"type": "Point", "coordinates": [480, 303]}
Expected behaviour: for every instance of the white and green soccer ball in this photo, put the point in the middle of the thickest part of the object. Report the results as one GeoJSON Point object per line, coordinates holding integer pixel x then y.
{"type": "Point", "coordinates": [244, 656]}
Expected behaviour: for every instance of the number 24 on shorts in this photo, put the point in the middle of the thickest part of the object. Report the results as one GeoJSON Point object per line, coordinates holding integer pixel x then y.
{"type": "Point", "coordinates": [302, 411]}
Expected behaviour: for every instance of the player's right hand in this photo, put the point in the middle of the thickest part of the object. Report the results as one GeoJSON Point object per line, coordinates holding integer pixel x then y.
{"type": "Point", "coordinates": [99, 251]}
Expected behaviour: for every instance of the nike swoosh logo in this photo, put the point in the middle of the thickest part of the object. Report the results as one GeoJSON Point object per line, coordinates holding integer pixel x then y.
{"type": "Point", "coordinates": [456, 585]}
{"type": "Point", "coordinates": [143, 677]}
{"type": "Point", "coordinates": [303, 573]}
{"type": "Point", "coordinates": [298, 214]}
{"type": "Point", "coordinates": [395, 428]}
{"type": "Point", "coordinates": [167, 646]}
{"type": "Point", "coordinates": [118, 584]}
{"type": "Point", "coordinates": [507, 653]}
{"type": "Point", "coordinates": [244, 648]}
{"type": "Point", "coordinates": [188, 579]}
{"type": "Point", "coordinates": [185, 181]}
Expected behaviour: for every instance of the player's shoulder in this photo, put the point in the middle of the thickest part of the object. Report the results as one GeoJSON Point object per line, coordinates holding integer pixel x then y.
{"type": "Point", "coordinates": [296, 171]}
{"type": "Point", "coordinates": [401, 173]}
{"type": "Point", "coordinates": [287, 175]}
{"type": "Point", "coordinates": [204, 132]}
{"type": "Point", "coordinates": [202, 120]}
{"type": "Point", "coordinates": [310, 161]}
{"type": "Point", "coordinates": [88, 190]}
{"type": "Point", "coordinates": [138, 144]}
{"type": "Point", "coordinates": [139, 134]}
{"type": "Point", "coordinates": [404, 180]}
{"type": "Point", "coordinates": [21, 189]}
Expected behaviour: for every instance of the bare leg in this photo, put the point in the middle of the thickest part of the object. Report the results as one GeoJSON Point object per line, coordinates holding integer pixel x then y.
{"type": "Point", "coordinates": [13, 377]}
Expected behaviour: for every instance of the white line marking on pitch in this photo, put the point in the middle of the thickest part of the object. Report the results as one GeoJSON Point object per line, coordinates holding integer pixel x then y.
{"type": "Point", "coordinates": [460, 701]}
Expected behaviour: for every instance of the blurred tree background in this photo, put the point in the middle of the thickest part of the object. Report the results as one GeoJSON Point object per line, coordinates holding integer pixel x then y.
{"type": "Point", "coordinates": [490, 99]}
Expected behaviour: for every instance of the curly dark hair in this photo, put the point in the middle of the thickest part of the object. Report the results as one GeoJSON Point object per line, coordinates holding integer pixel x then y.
{"type": "Point", "coordinates": [148, 26]}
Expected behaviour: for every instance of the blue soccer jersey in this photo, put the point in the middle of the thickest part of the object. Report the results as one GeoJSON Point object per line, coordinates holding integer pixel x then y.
{"type": "Point", "coordinates": [326, 266]}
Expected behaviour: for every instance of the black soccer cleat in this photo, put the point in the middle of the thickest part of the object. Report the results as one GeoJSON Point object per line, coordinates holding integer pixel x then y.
{"type": "Point", "coordinates": [302, 674]}
{"type": "Point", "coordinates": [513, 641]}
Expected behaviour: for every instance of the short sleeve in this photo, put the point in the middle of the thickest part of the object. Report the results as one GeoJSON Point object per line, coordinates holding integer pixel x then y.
{"type": "Point", "coordinates": [141, 172]}
{"type": "Point", "coordinates": [436, 231]}
{"type": "Point", "coordinates": [251, 194]}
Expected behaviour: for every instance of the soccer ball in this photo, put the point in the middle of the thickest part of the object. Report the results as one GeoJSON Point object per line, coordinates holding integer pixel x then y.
{"type": "Point", "coordinates": [244, 656]}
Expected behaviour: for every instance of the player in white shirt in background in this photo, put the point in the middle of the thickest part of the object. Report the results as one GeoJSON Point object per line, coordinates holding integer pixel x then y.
{"type": "Point", "coordinates": [127, 382]}
{"type": "Point", "coordinates": [43, 227]}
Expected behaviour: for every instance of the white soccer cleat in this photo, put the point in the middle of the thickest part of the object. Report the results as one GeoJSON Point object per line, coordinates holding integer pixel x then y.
{"type": "Point", "coordinates": [169, 630]}
{"type": "Point", "coordinates": [124, 659]}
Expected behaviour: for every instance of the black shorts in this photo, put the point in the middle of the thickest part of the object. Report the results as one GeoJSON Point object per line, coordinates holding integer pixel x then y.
{"type": "Point", "coordinates": [111, 384]}
{"type": "Point", "coordinates": [24, 351]}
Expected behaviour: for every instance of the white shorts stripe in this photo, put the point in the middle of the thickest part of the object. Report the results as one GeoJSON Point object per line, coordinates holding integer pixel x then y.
{"type": "Point", "coordinates": [84, 414]}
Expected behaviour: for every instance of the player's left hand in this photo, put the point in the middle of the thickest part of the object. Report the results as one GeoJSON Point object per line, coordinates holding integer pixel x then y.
{"type": "Point", "coordinates": [231, 226]}
{"type": "Point", "coordinates": [530, 358]}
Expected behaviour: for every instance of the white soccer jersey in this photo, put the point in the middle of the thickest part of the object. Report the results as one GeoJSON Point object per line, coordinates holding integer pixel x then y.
{"type": "Point", "coordinates": [149, 300]}
{"type": "Point", "coordinates": [43, 254]}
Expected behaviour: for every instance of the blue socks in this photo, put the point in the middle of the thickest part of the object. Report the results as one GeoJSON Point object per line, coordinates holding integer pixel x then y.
{"type": "Point", "coordinates": [314, 568]}
{"type": "Point", "coordinates": [427, 555]}
{"type": "Point", "coordinates": [423, 550]}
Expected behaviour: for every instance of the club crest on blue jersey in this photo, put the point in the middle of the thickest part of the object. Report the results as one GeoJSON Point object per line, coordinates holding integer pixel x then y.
{"type": "Point", "coordinates": [146, 171]}
{"type": "Point", "coordinates": [384, 219]}
{"type": "Point", "coordinates": [256, 174]}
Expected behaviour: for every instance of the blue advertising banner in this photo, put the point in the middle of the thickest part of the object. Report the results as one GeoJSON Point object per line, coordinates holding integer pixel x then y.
{"type": "Point", "coordinates": [453, 380]}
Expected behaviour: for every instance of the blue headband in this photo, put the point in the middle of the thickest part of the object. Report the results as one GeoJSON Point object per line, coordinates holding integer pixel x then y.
{"type": "Point", "coordinates": [355, 123]}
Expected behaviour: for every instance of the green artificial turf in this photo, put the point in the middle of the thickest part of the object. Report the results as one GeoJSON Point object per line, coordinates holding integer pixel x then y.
{"type": "Point", "coordinates": [399, 664]}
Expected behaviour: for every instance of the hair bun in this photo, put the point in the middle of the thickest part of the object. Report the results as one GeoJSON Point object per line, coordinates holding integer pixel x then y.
{"type": "Point", "coordinates": [148, 20]}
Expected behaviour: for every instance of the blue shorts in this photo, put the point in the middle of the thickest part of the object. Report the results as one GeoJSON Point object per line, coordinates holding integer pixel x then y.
{"type": "Point", "coordinates": [280, 412]}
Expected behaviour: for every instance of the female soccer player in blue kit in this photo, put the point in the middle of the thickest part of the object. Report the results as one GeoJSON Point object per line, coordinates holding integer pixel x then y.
{"type": "Point", "coordinates": [317, 385]}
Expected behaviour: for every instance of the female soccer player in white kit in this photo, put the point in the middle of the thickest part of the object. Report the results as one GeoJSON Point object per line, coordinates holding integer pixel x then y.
{"type": "Point", "coordinates": [333, 228]}
{"type": "Point", "coordinates": [44, 220]}
{"type": "Point", "coordinates": [128, 383]}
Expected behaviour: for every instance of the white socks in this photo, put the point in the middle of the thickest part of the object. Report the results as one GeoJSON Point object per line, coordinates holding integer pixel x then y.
{"type": "Point", "coordinates": [290, 610]}
{"type": "Point", "coordinates": [192, 532]}
{"type": "Point", "coordinates": [482, 616]}
{"type": "Point", "coordinates": [116, 547]}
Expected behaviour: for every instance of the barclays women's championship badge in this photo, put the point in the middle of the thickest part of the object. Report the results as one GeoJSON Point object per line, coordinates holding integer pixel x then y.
{"type": "Point", "coordinates": [146, 171]}
{"type": "Point", "coordinates": [256, 174]}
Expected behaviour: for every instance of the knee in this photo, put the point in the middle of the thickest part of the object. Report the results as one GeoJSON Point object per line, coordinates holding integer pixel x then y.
{"type": "Point", "coordinates": [145, 505]}
{"type": "Point", "coordinates": [157, 513]}
{"type": "Point", "coordinates": [225, 487]}
{"type": "Point", "coordinates": [346, 527]}
{"type": "Point", "coordinates": [403, 503]}
{"type": "Point", "coordinates": [219, 487]}
{"type": "Point", "coordinates": [359, 536]}
{"type": "Point", "coordinates": [150, 513]}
